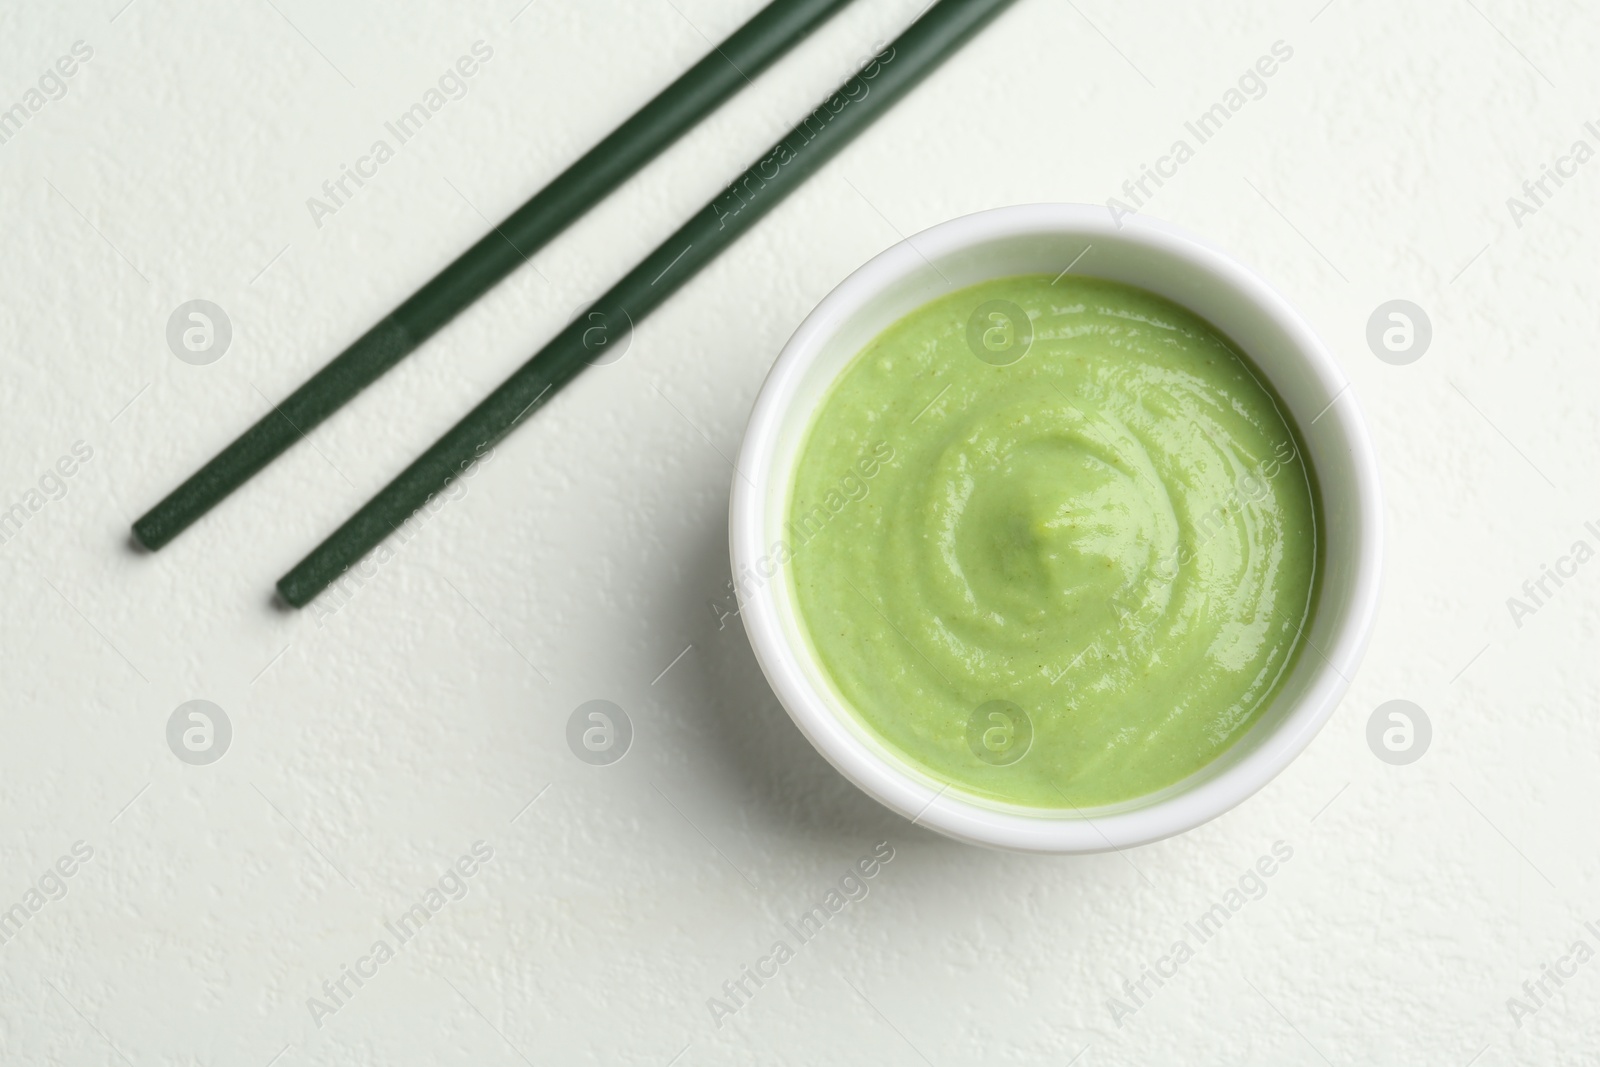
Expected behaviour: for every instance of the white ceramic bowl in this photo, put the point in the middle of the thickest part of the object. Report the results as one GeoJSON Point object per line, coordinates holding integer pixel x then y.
{"type": "Point", "coordinates": [1033, 239]}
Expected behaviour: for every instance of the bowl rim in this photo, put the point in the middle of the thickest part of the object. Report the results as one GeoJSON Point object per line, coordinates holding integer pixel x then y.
{"type": "Point", "coordinates": [750, 538]}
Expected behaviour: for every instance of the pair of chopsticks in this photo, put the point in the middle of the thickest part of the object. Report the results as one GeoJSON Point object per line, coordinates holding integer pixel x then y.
{"type": "Point", "coordinates": [937, 34]}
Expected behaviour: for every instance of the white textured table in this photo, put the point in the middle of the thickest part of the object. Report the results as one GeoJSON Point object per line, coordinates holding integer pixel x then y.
{"type": "Point", "coordinates": [372, 746]}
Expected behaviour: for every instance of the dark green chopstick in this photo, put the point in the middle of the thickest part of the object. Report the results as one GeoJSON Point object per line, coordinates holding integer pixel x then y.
{"type": "Point", "coordinates": [676, 109]}
{"type": "Point", "coordinates": [942, 30]}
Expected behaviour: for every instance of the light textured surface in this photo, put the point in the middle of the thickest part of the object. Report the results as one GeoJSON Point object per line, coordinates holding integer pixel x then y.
{"type": "Point", "coordinates": [374, 745]}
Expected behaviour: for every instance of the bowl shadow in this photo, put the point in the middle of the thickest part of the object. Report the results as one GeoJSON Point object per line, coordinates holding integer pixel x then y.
{"type": "Point", "coordinates": [790, 791]}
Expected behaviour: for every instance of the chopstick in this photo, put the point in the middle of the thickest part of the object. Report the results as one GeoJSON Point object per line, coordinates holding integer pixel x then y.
{"type": "Point", "coordinates": [726, 69]}
{"type": "Point", "coordinates": [916, 53]}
